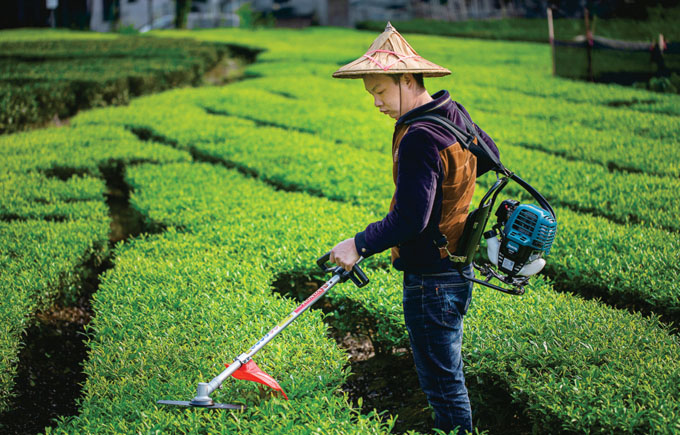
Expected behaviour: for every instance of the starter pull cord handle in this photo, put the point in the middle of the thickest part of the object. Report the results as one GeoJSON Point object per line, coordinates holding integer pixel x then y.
{"type": "Point", "coordinates": [357, 275]}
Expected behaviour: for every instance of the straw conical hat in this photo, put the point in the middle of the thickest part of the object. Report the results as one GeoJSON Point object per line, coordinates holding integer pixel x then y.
{"type": "Point", "coordinates": [390, 54]}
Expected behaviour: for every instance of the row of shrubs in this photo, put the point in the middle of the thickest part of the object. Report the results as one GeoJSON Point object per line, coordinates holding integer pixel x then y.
{"type": "Point", "coordinates": [591, 255]}
{"type": "Point", "coordinates": [54, 220]}
{"type": "Point", "coordinates": [487, 77]}
{"type": "Point", "coordinates": [509, 117]}
{"type": "Point", "coordinates": [546, 86]}
{"type": "Point", "coordinates": [40, 261]}
{"type": "Point", "coordinates": [228, 245]}
{"type": "Point", "coordinates": [589, 187]}
{"type": "Point", "coordinates": [179, 305]}
{"type": "Point", "coordinates": [569, 363]}
{"type": "Point", "coordinates": [43, 79]}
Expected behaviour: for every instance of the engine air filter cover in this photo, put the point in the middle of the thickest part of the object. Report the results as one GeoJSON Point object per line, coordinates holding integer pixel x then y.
{"type": "Point", "coordinates": [531, 226]}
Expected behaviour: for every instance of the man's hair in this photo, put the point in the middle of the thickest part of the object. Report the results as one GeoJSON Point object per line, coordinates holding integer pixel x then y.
{"type": "Point", "coordinates": [417, 76]}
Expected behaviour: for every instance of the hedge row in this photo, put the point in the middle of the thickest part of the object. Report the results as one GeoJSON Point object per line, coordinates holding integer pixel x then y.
{"type": "Point", "coordinates": [555, 133]}
{"type": "Point", "coordinates": [39, 261]}
{"type": "Point", "coordinates": [484, 81]}
{"type": "Point", "coordinates": [615, 150]}
{"type": "Point", "coordinates": [574, 364]}
{"type": "Point", "coordinates": [588, 187]}
{"type": "Point", "coordinates": [473, 63]}
{"type": "Point", "coordinates": [290, 159]}
{"type": "Point", "coordinates": [85, 149]}
{"type": "Point", "coordinates": [543, 84]}
{"type": "Point", "coordinates": [592, 254]}
{"type": "Point", "coordinates": [179, 305]}
{"type": "Point", "coordinates": [41, 79]}
{"type": "Point", "coordinates": [652, 132]}
{"type": "Point", "coordinates": [32, 195]}
{"type": "Point", "coordinates": [582, 186]}
{"type": "Point", "coordinates": [55, 175]}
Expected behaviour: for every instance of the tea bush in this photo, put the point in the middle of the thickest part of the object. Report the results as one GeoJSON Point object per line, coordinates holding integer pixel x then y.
{"type": "Point", "coordinates": [586, 187]}
{"type": "Point", "coordinates": [43, 78]}
{"type": "Point", "coordinates": [62, 152]}
{"type": "Point", "coordinates": [38, 260]}
{"type": "Point", "coordinates": [54, 220]}
{"type": "Point", "coordinates": [299, 161]}
{"type": "Point", "coordinates": [526, 345]}
{"type": "Point", "coordinates": [172, 311]}
{"type": "Point", "coordinates": [32, 195]}
{"type": "Point", "coordinates": [177, 304]}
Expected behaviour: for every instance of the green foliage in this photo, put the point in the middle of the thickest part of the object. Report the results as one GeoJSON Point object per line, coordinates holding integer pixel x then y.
{"type": "Point", "coordinates": [33, 195]}
{"type": "Point", "coordinates": [39, 261]}
{"type": "Point", "coordinates": [41, 79]}
{"type": "Point", "coordinates": [302, 161]}
{"type": "Point", "coordinates": [178, 305]}
{"type": "Point", "coordinates": [65, 151]}
{"type": "Point", "coordinates": [531, 346]}
{"type": "Point", "coordinates": [53, 219]}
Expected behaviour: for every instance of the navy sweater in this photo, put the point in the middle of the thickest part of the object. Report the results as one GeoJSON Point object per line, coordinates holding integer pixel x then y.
{"type": "Point", "coordinates": [413, 222]}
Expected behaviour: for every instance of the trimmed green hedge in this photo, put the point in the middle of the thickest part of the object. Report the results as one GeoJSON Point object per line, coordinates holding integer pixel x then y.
{"type": "Point", "coordinates": [204, 297]}
{"type": "Point", "coordinates": [44, 78]}
{"type": "Point", "coordinates": [531, 346]}
{"type": "Point", "coordinates": [33, 195]}
{"type": "Point", "coordinates": [65, 151]}
{"type": "Point", "coordinates": [39, 261]}
{"type": "Point", "coordinates": [55, 175]}
{"type": "Point", "coordinates": [591, 255]}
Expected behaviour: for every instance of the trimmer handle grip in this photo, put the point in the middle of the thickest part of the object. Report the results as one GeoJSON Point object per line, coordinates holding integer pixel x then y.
{"type": "Point", "coordinates": [322, 262]}
{"type": "Point", "coordinates": [357, 275]}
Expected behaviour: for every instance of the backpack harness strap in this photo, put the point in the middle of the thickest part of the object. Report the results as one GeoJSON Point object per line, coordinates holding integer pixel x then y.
{"type": "Point", "coordinates": [466, 140]}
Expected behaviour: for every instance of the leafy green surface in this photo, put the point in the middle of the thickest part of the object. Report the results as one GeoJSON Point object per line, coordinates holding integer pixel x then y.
{"type": "Point", "coordinates": [38, 261]}
{"type": "Point", "coordinates": [178, 305]}
{"type": "Point", "coordinates": [64, 72]}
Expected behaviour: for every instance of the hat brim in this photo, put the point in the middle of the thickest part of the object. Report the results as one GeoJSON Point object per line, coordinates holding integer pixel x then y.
{"type": "Point", "coordinates": [358, 74]}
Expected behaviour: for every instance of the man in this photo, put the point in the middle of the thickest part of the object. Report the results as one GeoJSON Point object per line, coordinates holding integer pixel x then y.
{"type": "Point", "coordinates": [435, 179]}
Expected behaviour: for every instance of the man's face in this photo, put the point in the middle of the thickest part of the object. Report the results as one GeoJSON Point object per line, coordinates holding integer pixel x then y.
{"type": "Point", "coordinates": [385, 93]}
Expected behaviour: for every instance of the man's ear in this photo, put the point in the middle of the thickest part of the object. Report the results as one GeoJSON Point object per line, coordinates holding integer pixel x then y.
{"type": "Point", "coordinates": [409, 80]}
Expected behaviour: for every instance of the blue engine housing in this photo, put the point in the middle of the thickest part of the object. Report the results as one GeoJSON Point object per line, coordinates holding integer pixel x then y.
{"type": "Point", "coordinates": [530, 226]}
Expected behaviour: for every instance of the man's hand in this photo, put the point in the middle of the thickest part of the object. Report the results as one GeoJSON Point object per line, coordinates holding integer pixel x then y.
{"type": "Point", "coordinates": [345, 254]}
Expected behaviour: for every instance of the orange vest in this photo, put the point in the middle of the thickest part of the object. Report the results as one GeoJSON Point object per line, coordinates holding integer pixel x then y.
{"type": "Point", "coordinates": [458, 185]}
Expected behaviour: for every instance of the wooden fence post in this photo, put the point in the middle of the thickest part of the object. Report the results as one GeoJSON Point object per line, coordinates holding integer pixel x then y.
{"type": "Point", "coordinates": [551, 35]}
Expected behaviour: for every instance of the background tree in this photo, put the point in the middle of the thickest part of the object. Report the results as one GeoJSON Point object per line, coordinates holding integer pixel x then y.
{"type": "Point", "coordinates": [182, 8]}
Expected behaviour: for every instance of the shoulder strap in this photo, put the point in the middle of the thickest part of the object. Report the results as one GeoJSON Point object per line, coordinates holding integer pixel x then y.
{"type": "Point", "coordinates": [465, 137]}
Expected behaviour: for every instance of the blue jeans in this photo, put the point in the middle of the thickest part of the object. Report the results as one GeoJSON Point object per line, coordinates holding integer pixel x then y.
{"type": "Point", "coordinates": [434, 306]}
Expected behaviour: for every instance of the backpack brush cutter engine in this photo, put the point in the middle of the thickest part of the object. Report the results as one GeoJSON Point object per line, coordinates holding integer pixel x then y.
{"type": "Point", "coordinates": [244, 367]}
{"type": "Point", "coordinates": [523, 233]}
{"type": "Point", "coordinates": [516, 244]}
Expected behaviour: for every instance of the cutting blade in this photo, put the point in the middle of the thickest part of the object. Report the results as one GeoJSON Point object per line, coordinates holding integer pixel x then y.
{"type": "Point", "coordinates": [188, 404]}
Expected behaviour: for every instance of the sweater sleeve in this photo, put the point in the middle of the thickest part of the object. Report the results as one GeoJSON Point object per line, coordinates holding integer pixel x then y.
{"type": "Point", "coordinates": [417, 175]}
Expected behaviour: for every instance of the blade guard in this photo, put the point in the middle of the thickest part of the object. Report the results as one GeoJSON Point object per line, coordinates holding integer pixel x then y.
{"type": "Point", "coordinates": [251, 372]}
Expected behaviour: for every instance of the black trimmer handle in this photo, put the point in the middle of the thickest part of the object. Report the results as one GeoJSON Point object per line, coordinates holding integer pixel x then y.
{"type": "Point", "coordinates": [357, 275]}
{"type": "Point", "coordinates": [322, 262]}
